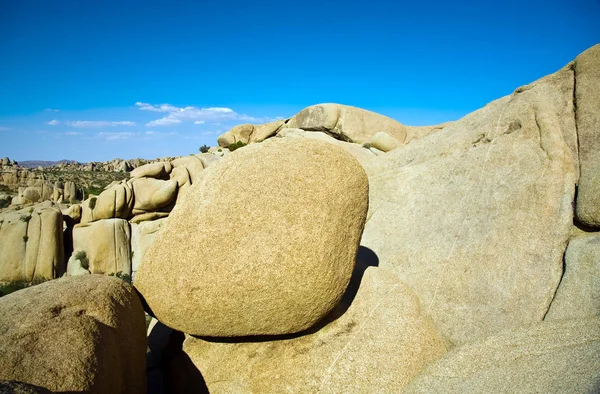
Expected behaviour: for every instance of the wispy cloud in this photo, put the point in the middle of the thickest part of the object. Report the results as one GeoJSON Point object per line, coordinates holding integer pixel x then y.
{"type": "Point", "coordinates": [98, 123]}
{"type": "Point", "coordinates": [178, 115]}
{"type": "Point", "coordinates": [52, 110]}
{"type": "Point", "coordinates": [168, 121]}
{"type": "Point", "coordinates": [117, 135]}
{"type": "Point", "coordinates": [53, 122]}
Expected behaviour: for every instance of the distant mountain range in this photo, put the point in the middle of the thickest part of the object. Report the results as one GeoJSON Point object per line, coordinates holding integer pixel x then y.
{"type": "Point", "coordinates": [43, 163]}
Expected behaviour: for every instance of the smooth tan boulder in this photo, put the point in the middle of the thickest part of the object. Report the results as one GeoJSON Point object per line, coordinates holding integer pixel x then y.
{"type": "Point", "coordinates": [70, 192]}
{"type": "Point", "coordinates": [153, 194]}
{"type": "Point", "coordinates": [384, 142]}
{"type": "Point", "coordinates": [266, 130]}
{"type": "Point", "coordinates": [264, 244]}
{"type": "Point", "coordinates": [347, 123]}
{"type": "Point", "coordinates": [106, 244]}
{"type": "Point", "coordinates": [114, 202]}
{"type": "Point", "coordinates": [75, 334]}
{"type": "Point", "coordinates": [31, 244]}
{"type": "Point", "coordinates": [237, 133]}
{"type": "Point", "coordinates": [587, 114]}
{"type": "Point", "coordinates": [378, 340]}
{"type": "Point", "coordinates": [193, 164]}
{"type": "Point", "coordinates": [181, 175]}
{"type": "Point", "coordinates": [159, 170]}
{"type": "Point", "coordinates": [475, 218]}
{"type": "Point", "coordinates": [551, 357]}
{"type": "Point", "coordinates": [578, 295]}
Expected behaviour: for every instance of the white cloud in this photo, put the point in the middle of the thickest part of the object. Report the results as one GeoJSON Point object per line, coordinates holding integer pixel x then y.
{"type": "Point", "coordinates": [52, 110]}
{"type": "Point", "coordinates": [178, 115]}
{"type": "Point", "coordinates": [117, 135]}
{"type": "Point", "coordinates": [98, 123]}
{"type": "Point", "coordinates": [163, 122]}
{"type": "Point", "coordinates": [156, 108]}
{"type": "Point", "coordinates": [53, 122]}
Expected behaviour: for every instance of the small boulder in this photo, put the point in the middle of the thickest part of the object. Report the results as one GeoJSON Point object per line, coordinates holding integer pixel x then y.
{"type": "Point", "coordinates": [384, 142]}
{"type": "Point", "coordinates": [160, 170]}
{"type": "Point", "coordinates": [153, 194]}
{"type": "Point", "coordinates": [75, 334]}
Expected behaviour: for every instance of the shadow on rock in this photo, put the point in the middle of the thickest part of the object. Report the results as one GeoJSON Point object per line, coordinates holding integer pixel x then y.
{"type": "Point", "coordinates": [169, 369]}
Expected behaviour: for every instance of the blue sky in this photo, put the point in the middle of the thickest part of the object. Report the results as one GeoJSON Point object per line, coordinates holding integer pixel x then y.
{"type": "Point", "coordinates": [94, 80]}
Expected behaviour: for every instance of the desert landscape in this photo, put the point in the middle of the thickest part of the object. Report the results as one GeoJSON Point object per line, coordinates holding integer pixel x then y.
{"type": "Point", "coordinates": [334, 251]}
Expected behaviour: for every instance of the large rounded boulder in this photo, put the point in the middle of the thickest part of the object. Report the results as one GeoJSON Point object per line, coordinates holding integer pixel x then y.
{"type": "Point", "coordinates": [263, 244]}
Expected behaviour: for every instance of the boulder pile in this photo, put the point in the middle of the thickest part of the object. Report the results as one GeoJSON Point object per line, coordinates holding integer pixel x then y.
{"type": "Point", "coordinates": [339, 251]}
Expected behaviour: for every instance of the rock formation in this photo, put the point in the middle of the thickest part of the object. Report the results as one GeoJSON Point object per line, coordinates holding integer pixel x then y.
{"type": "Point", "coordinates": [264, 244]}
{"type": "Point", "coordinates": [79, 334]}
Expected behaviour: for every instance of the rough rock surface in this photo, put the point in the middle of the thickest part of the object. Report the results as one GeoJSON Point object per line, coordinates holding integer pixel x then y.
{"type": "Point", "coordinates": [346, 122]}
{"type": "Point", "coordinates": [31, 244]}
{"type": "Point", "coordinates": [377, 345]}
{"type": "Point", "coordinates": [106, 244]}
{"type": "Point", "coordinates": [294, 213]}
{"type": "Point", "coordinates": [476, 218]}
{"type": "Point", "coordinates": [551, 357]}
{"type": "Point", "coordinates": [587, 96]}
{"type": "Point", "coordinates": [578, 295]}
{"type": "Point", "coordinates": [76, 334]}
{"type": "Point", "coordinates": [14, 387]}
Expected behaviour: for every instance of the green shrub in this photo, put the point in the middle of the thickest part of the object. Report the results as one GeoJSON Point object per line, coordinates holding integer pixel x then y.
{"type": "Point", "coordinates": [236, 145]}
{"type": "Point", "coordinates": [204, 148]}
{"type": "Point", "coordinates": [121, 275]}
{"type": "Point", "coordinates": [25, 238]}
{"type": "Point", "coordinates": [25, 218]}
{"type": "Point", "coordinates": [82, 257]}
{"type": "Point", "coordinates": [92, 203]}
{"type": "Point", "coordinates": [11, 287]}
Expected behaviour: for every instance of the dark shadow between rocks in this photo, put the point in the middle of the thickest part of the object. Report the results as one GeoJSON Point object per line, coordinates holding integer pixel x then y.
{"type": "Point", "coordinates": [576, 223]}
{"type": "Point", "coordinates": [169, 368]}
{"type": "Point", "coordinates": [365, 258]}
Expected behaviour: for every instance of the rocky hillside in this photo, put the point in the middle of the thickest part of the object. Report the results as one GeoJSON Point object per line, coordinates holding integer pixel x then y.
{"type": "Point", "coordinates": [335, 251]}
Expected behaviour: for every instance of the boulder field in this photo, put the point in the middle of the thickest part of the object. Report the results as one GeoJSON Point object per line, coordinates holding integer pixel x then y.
{"type": "Point", "coordinates": [339, 251]}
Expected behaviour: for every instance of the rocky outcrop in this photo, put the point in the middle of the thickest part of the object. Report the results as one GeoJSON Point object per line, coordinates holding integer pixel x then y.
{"type": "Point", "coordinates": [476, 218]}
{"type": "Point", "coordinates": [107, 245]}
{"type": "Point", "coordinates": [77, 334]}
{"type": "Point", "coordinates": [346, 123]}
{"type": "Point", "coordinates": [377, 340]}
{"type": "Point", "coordinates": [31, 244]}
{"type": "Point", "coordinates": [293, 215]}
{"type": "Point", "coordinates": [551, 357]}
